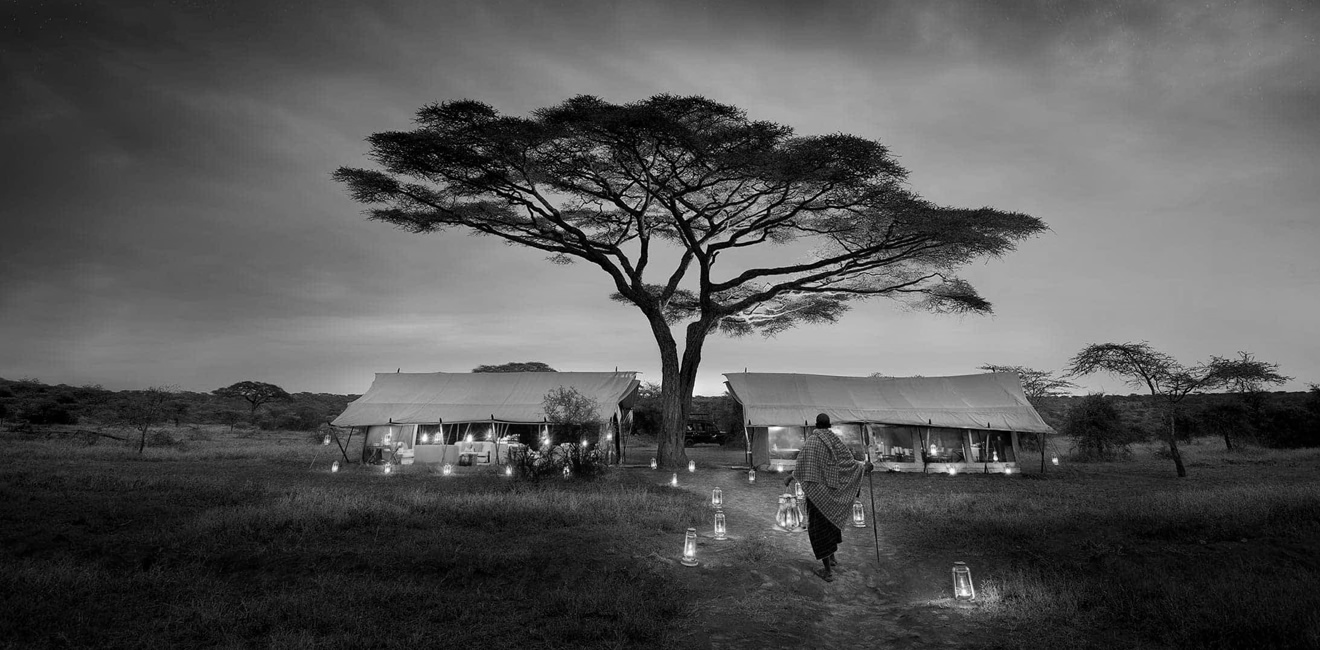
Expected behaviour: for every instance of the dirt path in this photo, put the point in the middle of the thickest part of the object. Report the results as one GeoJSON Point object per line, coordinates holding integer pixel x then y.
{"type": "Point", "coordinates": [758, 589]}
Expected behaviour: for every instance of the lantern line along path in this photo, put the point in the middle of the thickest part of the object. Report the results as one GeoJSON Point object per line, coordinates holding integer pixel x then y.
{"type": "Point", "coordinates": [757, 590]}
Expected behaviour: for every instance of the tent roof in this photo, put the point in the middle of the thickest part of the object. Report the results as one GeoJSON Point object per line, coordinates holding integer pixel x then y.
{"type": "Point", "coordinates": [430, 397]}
{"type": "Point", "coordinates": [987, 401]}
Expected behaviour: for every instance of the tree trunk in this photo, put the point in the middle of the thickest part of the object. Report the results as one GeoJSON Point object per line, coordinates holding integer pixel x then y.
{"type": "Point", "coordinates": [1173, 447]}
{"type": "Point", "coordinates": [142, 442]}
{"type": "Point", "coordinates": [1228, 440]}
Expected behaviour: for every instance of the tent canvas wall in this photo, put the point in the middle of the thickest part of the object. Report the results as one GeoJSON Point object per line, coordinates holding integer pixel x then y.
{"type": "Point", "coordinates": [903, 422]}
{"type": "Point", "coordinates": [437, 417]}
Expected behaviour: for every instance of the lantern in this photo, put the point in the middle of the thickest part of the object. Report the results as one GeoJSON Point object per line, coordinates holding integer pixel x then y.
{"type": "Point", "coordinates": [779, 468]}
{"type": "Point", "coordinates": [692, 465]}
{"type": "Point", "coordinates": [962, 582]}
{"type": "Point", "coordinates": [1008, 470]}
{"type": "Point", "coordinates": [508, 470]}
{"type": "Point", "coordinates": [334, 467]}
{"type": "Point", "coordinates": [797, 490]}
{"type": "Point", "coordinates": [859, 515]}
{"type": "Point", "coordinates": [326, 441]}
{"type": "Point", "coordinates": [467, 438]}
{"type": "Point", "coordinates": [690, 548]}
{"type": "Point", "coordinates": [568, 472]}
{"type": "Point", "coordinates": [751, 475]}
{"type": "Point", "coordinates": [1054, 459]}
{"type": "Point", "coordinates": [387, 469]}
{"type": "Point", "coordinates": [953, 471]}
{"type": "Point", "coordinates": [788, 517]}
{"type": "Point", "coordinates": [674, 480]}
{"type": "Point", "coordinates": [932, 449]}
{"type": "Point", "coordinates": [802, 518]}
{"type": "Point", "coordinates": [447, 469]}
{"type": "Point", "coordinates": [994, 456]}
{"type": "Point", "coordinates": [609, 436]}
{"type": "Point", "coordinates": [426, 437]}
{"type": "Point", "coordinates": [654, 464]}
{"type": "Point", "coordinates": [717, 498]}
{"type": "Point", "coordinates": [585, 444]}
{"type": "Point", "coordinates": [720, 531]}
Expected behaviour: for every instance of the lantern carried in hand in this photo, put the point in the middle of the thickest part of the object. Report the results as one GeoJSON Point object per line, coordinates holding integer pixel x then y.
{"type": "Point", "coordinates": [859, 515]}
{"type": "Point", "coordinates": [334, 467]}
{"type": "Point", "coordinates": [720, 531]}
{"type": "Point", "coordinates": [447, 469]}
{"type": "Point", "coordinates": [797, 490]}
{"type": "Point", "coordinates": [692, 465]}
{"type": "Point", "coordinates": [674, 480]}
{"type": "Point", "coordinates": [690, 548]}
{"type": "Point", "coordinates": [788, 517]}
{"type": "Point", "coordinates": [654, 464]}
{"type": "Point", "coordinates": [962, 582]}
{"type": "Point", "coordinates": [717, 498]}
{"type": "Point", "coordinates": [751, 475]}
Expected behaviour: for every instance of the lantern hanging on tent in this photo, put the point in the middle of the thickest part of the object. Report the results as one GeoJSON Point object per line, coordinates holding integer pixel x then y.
{"type": "Point", "coordinates": [962, 582]}
{"type": "Point", "coordinates": [674, 480]}
{"type": "Point", "coordinates": [797, 490]}
{"type": "Point", "coordinates": [692, 465]}
{"type": "Point", "coordinates": [467, 438]}
{"type": "Point", "coordinates": [788, 517]}
{"type": "Point", "coordinates": [654, 464]}
{"type": "Point", "coordinates": [751, 475]}
{"type": "Point", "coordinates": [717, 498]}
{"type": "Point", "coordinates": [859, 515]}
{"type": "Point", "coordinates": [334, 467]}
{"type": "Point", "coordinates": [690, 548]}
{"type": "Point", "coordinates": [720, 530]}
{"type": "Point", "coordinates": [326, 440]}
{"type": "Point", "coordinates": [447, 469]}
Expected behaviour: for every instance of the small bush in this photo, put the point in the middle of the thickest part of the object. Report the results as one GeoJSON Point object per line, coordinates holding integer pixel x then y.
{"type": "Point", "coordinates": [161, 438]}
{"type": "Point", "coordinates": [49, 412]}
{"type": "Point", "coordinates": [1099, 430]}
{"type": "Point", "coordinates": [582, 463]}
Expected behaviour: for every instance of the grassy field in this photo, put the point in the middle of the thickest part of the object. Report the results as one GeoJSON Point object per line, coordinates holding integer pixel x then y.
{"type": "Point", "coordinates": [224, 540]}
{"type": "Point", "coordinates": [1125, 555]}
{"type": "Point", "coordinates": [234, 542]}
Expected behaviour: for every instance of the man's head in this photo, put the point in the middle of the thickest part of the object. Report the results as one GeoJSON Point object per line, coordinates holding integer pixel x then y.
{"type": "Point", "coordinates": [822, 421]}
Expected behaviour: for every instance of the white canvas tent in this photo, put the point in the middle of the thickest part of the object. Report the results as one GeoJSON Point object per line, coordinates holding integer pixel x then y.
{"type": "Point", "coordinates": [960, 422]}
{"type": "Point", "coordinates": [439, 417]}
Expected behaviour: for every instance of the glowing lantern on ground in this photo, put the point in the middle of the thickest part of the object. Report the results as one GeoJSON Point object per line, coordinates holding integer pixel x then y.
{"type": "Point", "coordinates": [788, 517]}
{"type": "Point", "coordinates": [654, 464]}
{"type": "Point", "coordinates": [508, 470]}
{"type": "Point", "coordinates": [1008, 470]}
{"type": "Point", "coordinates": [962, 582]}
{"type": "Point", "coordinates": [1054, 459]}
{"type": "Point", "coordinates": [674, 480]}
{"type": "Point", "coordinates": [568, 472]}
{"type": "Point", "coordinates": [447, 469]}
{"type": "Point", "coordinates": [585, 444]}
{"type": "Point", "coordinates": [690, 548]}
{"type": "Point", "coordinates": [797, 490]}
{"type": "Point", "coordinates": [692, 465]}
{"type": "Point", "coordinates": [334, 467]}
{"type": "Point", "coordinates": [859, 515]}
{"type": "Point", "coordinates": [717, 498]}
{"type": "Point", "coordinates": [779, 468]}
{"type": "Point", "coordinates": [720, 531]}
{"type": "Point", "coordinates": [751, 475]}
{"type": "Point", "coordinates": [326, 441]}
{"type": "Point", "coordinates": [388, 469]}
{"type": "Point", "coordinates": [953, 471]}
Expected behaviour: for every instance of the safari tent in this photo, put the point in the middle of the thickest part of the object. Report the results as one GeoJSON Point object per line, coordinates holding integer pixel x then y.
{"type": "Point", "coordinates": [963, 423]}
{"type": "Point", "coordinates": [472, 418]}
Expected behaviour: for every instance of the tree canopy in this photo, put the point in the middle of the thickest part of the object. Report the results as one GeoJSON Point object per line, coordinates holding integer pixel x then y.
{"type": "Point", "coordinates": [255, 393]}
{"type": "Point", "coordinates": [612, 185]}
{"type": "Point", "coordinates": [516, 366]}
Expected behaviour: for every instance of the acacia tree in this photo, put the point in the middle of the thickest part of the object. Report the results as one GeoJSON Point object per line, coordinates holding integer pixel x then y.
{"type": "Point", "coordinates": [619, 185]}
{"type": "Point", "coordinates": [255, 393]}
{"type": "Point", "coordinates": [1036, 385]}
{"type": "Point", "coordinates": [516, 366]}
{"type": "Point", "coordinates": [145, 408]}
{"type": "Point", "coordinates": [1169, 382]}
{"type": "Point", "coordinates": [1247, 376]}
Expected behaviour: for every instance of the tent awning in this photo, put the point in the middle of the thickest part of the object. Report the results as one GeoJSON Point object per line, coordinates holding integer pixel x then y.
{"type": "Point", "coordinates": [992, 401]}
{"type": "Point", "coordinates": [423, 398]}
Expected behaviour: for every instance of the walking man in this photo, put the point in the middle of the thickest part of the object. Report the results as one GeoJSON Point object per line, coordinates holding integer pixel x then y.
{"type": "Point", "coordinates": [831, 479]}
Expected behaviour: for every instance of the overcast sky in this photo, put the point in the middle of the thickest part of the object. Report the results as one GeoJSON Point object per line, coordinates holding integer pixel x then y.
{"type": "Point", "coordinates": [168, 215]}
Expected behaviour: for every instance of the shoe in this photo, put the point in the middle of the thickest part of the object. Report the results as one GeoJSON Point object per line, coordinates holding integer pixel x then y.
{"type": "Point", "coordinates": [824, 575]}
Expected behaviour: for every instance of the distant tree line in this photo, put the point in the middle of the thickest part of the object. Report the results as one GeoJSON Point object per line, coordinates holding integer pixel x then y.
{"type": "Point", "coordinates": [28, 401]}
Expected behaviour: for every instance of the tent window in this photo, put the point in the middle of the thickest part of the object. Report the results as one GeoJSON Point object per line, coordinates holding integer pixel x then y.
{"type": "Point", "coordinates": [851, 435]}
{"type": "Point", "coordinates": [999, 445]}
{"type": "Point", "coordinates": [429, 434]}
{"type": "Point", "coordinates": [785, 442]}
{"type": "Point", "coordinates": [946, 445]}
{"type": "Point", "coordinates": [894, 443]}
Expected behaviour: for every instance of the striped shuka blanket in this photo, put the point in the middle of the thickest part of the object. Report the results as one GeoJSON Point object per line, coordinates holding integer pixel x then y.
{"type": "Point", "coordinates": [830, 476]}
